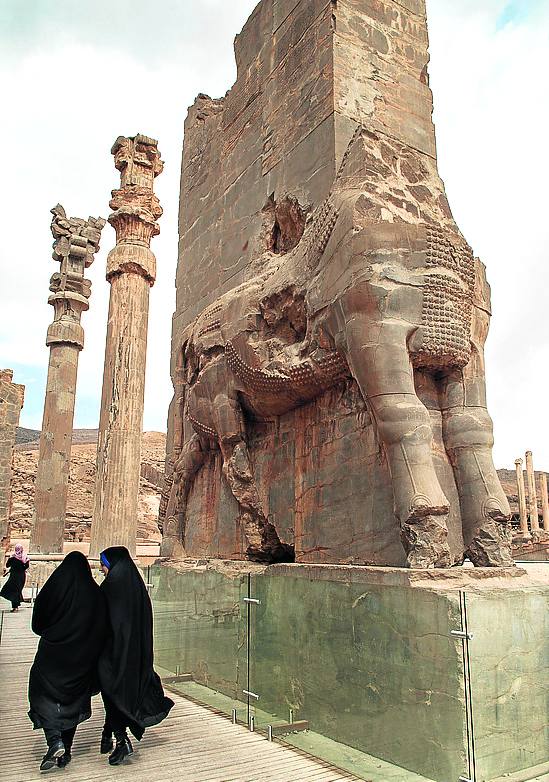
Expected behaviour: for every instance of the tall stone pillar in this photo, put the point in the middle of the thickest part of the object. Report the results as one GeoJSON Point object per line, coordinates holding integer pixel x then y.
{"type": "Point", "coordinates": [521, 498]}
{"type": "Point", "coordinates": [75, 243]}
{"type": "Point", "coordinates": [544, 501]}
{"type": "Point", "coordinates": [131, 272]}
{"type": "Point", "coordinates": [11, 402]}
{"type": "Point", "coordinates": [532, 494]}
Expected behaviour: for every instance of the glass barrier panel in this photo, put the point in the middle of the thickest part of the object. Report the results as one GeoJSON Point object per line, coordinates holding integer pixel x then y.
{"type": "Point", "coordinates": [365, 676]}
{"type": "Point", "coordinates": [200, 636]}
{"type": "Point", "coordinates": [509, 664]}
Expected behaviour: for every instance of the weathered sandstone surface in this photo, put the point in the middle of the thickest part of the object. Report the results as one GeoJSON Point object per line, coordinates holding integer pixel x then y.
{"type": "Point", "coordinates": [327, 345]}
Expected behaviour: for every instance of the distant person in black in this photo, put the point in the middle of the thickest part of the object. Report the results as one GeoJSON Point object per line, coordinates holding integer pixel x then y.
{"type": "Point", "coordinates": [69, 616]}
{"type": "Point", "coordinates": [130, 688]}
{"type": "Point", "coordinates": [17, 565]}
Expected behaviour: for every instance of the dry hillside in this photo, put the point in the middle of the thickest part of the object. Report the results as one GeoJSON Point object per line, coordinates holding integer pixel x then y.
{"type": "Point", "coordinates": [81, 485]}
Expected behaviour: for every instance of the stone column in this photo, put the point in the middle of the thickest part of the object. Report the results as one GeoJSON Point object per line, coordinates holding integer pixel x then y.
{"type": "Point", "coordinates": [544, 501]}
{"type": "Point", "coordinates": [75, 243]}
{"type": "Point", "coordinates": [11, 402]}
{"type": "Point", "coordinates": [522, 498]}
{"type": "Point", "coordinates": [532, 495]}
{"type": "Point", "coordinates": [131, 272]}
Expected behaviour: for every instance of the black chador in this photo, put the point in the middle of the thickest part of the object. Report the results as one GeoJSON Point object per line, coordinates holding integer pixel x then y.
{"type": "Point", "coordinates": [69, 616]}
{"type": "Point", "coordinates": [13, 588]}
{"type": "Point", "coordinates": [131, 689]}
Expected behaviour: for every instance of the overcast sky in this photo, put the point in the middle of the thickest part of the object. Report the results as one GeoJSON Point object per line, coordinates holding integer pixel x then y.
{"type": "Point", "coordinates": [75, 74]}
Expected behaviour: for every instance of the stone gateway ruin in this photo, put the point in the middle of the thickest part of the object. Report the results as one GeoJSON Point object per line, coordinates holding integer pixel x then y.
{"type": "Point", "coordinates": [327, 349]}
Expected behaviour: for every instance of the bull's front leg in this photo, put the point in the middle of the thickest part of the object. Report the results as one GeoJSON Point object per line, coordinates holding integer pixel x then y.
{"type": "Point", "coordinates": [262, 542]}
{"type": "Point", "coordinates": [187, 465]}
{"type": "Point", "coordinates": [379, 360]}
{"type": "Point", "coordinates": [468, 439]}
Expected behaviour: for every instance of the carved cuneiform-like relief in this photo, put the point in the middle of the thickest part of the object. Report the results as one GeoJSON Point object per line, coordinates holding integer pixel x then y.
{"type": "Point", "coordinates": [323, 224]}
{"type": "Point", "coordinates": [209, 328]}
{"type": "Point", "coordinates": [304, 380]}
{"type": "Point", "coordinates": [201, 428]}
{"type": "Point", "coordinates": [255, 379]}
{"type": "Point", "coordinates": [447, 302]}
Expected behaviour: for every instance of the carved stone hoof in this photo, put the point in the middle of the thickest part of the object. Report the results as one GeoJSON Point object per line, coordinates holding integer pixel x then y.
{"type": "Point", "coordinates": [492, 509]}
{"type": "Point", "coordinates": [421, 506]}
{"type": "Point", "coordinates": [425, 541]}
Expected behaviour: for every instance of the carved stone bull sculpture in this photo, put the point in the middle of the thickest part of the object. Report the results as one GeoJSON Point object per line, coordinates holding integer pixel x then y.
{"type": "Point", "coordinates": [376, 289]}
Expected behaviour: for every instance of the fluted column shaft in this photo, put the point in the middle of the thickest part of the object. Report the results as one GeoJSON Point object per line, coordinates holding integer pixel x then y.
{"type": "Point", "coordinates": [76, 242]}
{"type": "Point", "coordinates": [532, 494]}
{"type": "Point", "coordinates": [131, 271]}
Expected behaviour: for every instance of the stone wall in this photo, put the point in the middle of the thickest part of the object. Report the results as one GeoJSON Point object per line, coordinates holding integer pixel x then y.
{"type": "Point", "coordinates": [325, 483]}
{"type": "Point", "coordinates": [11, 402]}
{"type": "Point", "coordinates": [308, 72]}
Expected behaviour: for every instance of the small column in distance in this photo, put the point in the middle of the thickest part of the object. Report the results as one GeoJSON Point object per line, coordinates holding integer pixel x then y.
{"type": "Point", "coordinates": [521, 490]}
{"type": "Point", "coordinates": [532, 496]}
{"type": "Point", "coordinates": [544, 501]}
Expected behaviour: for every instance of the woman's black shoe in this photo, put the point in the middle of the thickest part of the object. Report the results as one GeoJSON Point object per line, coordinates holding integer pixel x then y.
{"type": "Point", "coordinates": [122, 750]}
{"type": "Point", "coordinates": [50, 758]}
{"type": "Point", "coordinates": [65, 759]}
{"type": "Point", "coordinates": [106, 744]}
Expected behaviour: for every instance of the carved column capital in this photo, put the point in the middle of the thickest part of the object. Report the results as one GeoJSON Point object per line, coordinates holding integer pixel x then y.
{"type": "Point", "coordinates": [75, 243]}
{"type": "Point", "coordinates": [136, 208]}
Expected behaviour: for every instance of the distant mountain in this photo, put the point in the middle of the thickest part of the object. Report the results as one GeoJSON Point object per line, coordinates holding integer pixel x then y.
{"type": "Point", "coordinates": [30, 438]}
{"type": "Point", "coordinates": [26, 435]}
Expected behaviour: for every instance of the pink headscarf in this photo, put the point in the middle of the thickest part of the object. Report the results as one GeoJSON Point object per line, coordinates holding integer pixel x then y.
{"type": "Point", "coordinates": [20, 553]}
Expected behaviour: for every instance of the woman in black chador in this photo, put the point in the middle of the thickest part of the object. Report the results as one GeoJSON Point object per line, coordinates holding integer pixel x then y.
{"type": "Point", "coordinates": [13, 588]}
{"type": "Point", "coordinates": [130, 688]}
{"type": "Point", "coordinates": [70, 618]}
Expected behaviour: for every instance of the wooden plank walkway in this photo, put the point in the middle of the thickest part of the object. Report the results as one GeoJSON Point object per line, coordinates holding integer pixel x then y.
{"type": "Point", "coordinates": [192, 745]}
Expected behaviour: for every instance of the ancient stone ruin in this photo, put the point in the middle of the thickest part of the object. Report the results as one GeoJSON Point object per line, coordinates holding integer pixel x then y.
{"type": "Point", "coordinates": [11, 402]}
{"type": "Point", "coordinates": [131, 272]}
{"type": "Point", "coordinates": [75, 243]}
{"type": "Point", "coordinates": [327, 351]}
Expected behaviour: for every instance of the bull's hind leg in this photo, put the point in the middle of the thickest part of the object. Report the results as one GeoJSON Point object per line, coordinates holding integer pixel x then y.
{"type": "Point", "coordinates": [379, 360]}
{"type": "Point", "coordinates": [468, 438]}
{"type": "Point", "coordinates": [187, 465]}
{"type": "Point", "coordinates": [262, 541]}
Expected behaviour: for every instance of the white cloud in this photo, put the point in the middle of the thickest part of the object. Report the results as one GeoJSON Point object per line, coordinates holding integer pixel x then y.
{"type": "Point", "coordinates": [66, 97]}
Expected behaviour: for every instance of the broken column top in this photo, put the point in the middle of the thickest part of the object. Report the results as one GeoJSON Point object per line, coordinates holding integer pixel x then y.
{"type": "Point", "coordinates": [138, 160]}
{"type": "Point", "coordinates": [75, 237]}
{"type": "Point", "coordinates": [136, 207]}
{"type": "Point", "coordinates": [75, 243]}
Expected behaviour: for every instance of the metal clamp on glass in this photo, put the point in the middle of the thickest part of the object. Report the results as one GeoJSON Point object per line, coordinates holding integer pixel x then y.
{"type": "Point", "coordinates": [251, 694]}
{"type": "Point", "coordinates": [462, 634]}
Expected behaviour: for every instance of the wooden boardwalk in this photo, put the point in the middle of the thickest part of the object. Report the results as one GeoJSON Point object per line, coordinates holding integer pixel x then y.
{"type": "Point", "coordinates": [192, 745]}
